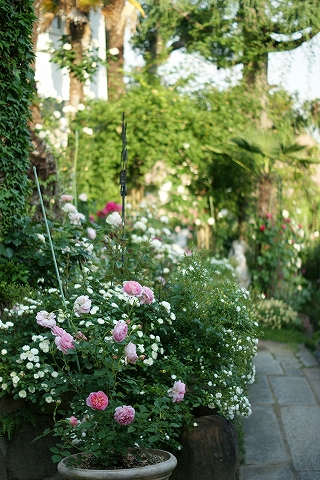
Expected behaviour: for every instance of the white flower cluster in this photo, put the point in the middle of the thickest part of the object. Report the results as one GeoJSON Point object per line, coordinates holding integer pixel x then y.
{"type": "Point", "coordinates": [75, 217]}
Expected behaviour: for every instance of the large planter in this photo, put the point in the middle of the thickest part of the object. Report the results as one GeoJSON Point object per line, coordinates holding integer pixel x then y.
{"type": "Point", "coordinates": [159, 471]}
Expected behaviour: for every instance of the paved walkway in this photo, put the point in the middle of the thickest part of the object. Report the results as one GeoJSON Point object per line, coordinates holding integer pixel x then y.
{"type": "Point", "coordinates": [282, 436]}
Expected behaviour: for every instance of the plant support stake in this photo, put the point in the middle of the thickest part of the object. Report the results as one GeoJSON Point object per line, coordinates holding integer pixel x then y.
{"type": "Point", "coordinates": [49, 236]}
{"type": "Point", "coordinates": [123, 176]}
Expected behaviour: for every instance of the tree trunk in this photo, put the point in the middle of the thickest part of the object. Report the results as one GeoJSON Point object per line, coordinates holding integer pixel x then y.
{"type": "Point", "coordinates": [77, 31]}
{"type": "Point", "coordinates": [255, 76]}
{"type": "Point", "coordinates": [265, 188]}
{"type": "Point", "coordinates": [115, 29]}
{"type": "Point", "coordinates": [255, 71]}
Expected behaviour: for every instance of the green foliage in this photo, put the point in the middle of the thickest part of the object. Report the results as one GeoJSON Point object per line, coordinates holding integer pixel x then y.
{"type": "Point", "coordinates": [197, 330]}
{"type": "Point", "coordinates": [171, 137]}
{"type": "Point", "coordinates": [227, 32]}
{"type": "Point", "coordinates": [276, 248]}
{"type": "Point", "coordinates": [65, 57]}
{"type": "Point", "coordinates": [275, 314]}
{"type": "Point", "coordinates": [12, 292]}
{"type": "Point", "coordinates": [10, 422]}
{"type": "Point", "coordinates": [16, 91]}
{"type": "Point", "coordinates": [216, 332]}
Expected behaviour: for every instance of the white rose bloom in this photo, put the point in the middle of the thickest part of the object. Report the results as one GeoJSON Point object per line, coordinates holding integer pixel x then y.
{"type": "Point", "coordinates": [22, 394]}
{"type": "Point", "coordinates": [87, 130]}
{"type": "Point", "coordinates": [140, 226]}
{"type": "Point", "coordinates": [114, 51]}
{"type": "Point", "coordinates": [83, 197]}
{"type": "Point", "coordinates": [166, 305]}
{"type": "Point", "coordinates": [114, 219]}
{"type": "Point", "coordinates": [69, 208]}
{"type": "Point", "coordinates": [67, 46]}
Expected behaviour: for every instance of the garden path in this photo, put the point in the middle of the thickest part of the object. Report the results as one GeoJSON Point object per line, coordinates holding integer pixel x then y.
{"type": "Point", "coordinates": [282, 436]}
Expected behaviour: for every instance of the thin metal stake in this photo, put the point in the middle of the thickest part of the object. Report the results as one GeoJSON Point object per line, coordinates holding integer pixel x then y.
{"type": "Point", "coordinates": [123, 177]}
{"type": "Point", "coordinates": [74, 180]}
{"type": "Point", "coordinates": [49, 236]}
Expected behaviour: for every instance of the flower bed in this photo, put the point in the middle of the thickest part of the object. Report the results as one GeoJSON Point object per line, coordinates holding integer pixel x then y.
{"type": "Point", "coordinates": [122, 358]}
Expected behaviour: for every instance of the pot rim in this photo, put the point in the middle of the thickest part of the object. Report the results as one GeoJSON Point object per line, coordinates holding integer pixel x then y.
{"type": "Point", "coordinates": [167, 465]}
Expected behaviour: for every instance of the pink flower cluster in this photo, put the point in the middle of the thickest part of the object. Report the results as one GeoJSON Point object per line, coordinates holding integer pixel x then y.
{"type": "Point", "coordinates": [134, 289]}
{"type": "Point", "coordinates": [64, 341]}
{"type": "Point", "coordinates": [99, 401]}
{"type": "Point", "coordinates": [46, 319]}
{"type": "Point", "coordinates": [120, 331]}
{"type": "Point", "coordinates": [82, 304]}
{"type": "Point", "coordinates": [177, 392]}
{"type": "Point", "coordinates": [109, 208]}
{"type": "Point", "coordinates": [124, 415]}
{"type": "Point", "coordinates": [130, 352]}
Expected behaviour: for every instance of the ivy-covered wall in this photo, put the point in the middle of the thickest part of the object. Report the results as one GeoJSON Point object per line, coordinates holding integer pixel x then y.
{"type": "Point", "coordinates": [16, 91]}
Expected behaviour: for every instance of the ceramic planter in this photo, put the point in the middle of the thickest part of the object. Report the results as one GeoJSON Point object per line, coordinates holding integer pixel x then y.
{"type": "Point", "coordinates": [159, 471]}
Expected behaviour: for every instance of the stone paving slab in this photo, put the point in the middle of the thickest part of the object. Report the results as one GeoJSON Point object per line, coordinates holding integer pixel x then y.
{"type": "Point", "coordinates": [313, 375]}
{"type": "Point", "coordinates": [292, 391]}
{"type": "Point", "coordinates": [307, 358]}
{"type": "Point", "coordinates": [302, 429]}
{"type": "Point", "coordinates": [267, 446]}
{"type": "Point", "coordinates": [266, 472]}
{"type": "Point", "coordinates": [259, 391]}
{"type": "Point", "coordinates": [282, 436]}
{"type": "Point", "coordinates": [266, 364]}
{"type": "Point", "coordinates": [310, 475]}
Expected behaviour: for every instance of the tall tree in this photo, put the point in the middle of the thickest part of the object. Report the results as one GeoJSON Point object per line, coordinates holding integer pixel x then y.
{"type": "Point", "coordinates": [229, 32]}
{"type": "Point", "coordinates": [76, 13]}
{"type": "Point", "coordinates": [118, 14]}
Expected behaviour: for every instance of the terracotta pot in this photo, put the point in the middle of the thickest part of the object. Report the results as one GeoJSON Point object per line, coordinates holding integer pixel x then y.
{"type": "Point", "coordinates": [159, 471]}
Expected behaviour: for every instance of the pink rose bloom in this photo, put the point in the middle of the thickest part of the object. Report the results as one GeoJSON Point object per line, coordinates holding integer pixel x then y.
{"type": "Point", "coordinates": [82, 304]}
{"type": "Point", "coordinates": [80, 336]}
{"type": "Point", "coordinates": [91, 233]}
{"type": "Point", "coordinates": [64, 341]}
{"type": "Point", "coordinates": [132, 288]}
{"type": "Point", "coordinates": [46, 319]}
{"type": "Point", "coordinates": [66, 198]}
{"type": "Point", "coordinates": [124, 415]}
{"type": "Point", "coordinates": [73, 421]}
{"type": "Point", "coordinates": [146, 296]}
{"type": "Point", "coordinates": [109, 208]}
{"type": "Point", "coordinates": [97, 401]}
{"type": "Point", "coordinates": [130, 353]}
{"type": "Point", "coordinates": [120, 331]}
{"type": "Point", "coordinates": [262, 228]}
{"type": "Point", "coordinates": [178, 391]}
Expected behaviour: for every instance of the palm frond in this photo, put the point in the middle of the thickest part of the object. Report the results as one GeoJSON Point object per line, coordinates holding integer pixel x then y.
{"type": "Point", "coordinates": [46, 21]}
{"type": "Point", "coordinates": [50, 6]}
{"type": "Point", "coordinates": [137, 6]}
{"type": "Point", "coordinates": [86, 5]}
{"type": "Point", "coordinates": [246, 145]}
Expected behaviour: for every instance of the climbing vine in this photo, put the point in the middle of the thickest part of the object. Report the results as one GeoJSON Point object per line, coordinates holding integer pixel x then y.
{"type": "Point", "coordinates": [16, 91]}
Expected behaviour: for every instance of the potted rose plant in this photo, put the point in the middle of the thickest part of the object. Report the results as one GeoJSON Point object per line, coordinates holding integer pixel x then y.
{"type": "Point", "coordinates": [115, 390]}
{"type": "Point", "coordinates": [121, 369]}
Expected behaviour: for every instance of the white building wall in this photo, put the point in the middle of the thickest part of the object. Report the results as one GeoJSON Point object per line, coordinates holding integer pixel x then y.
{"type": "Point", "coordinates": [53, 81]}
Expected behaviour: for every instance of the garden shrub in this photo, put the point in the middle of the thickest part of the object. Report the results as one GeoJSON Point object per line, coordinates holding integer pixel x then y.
{"type": "Point", "coordinates": [275, 314]}
{"type": "Point", "coordinates": [203, 319]}
{"type": "Point", "coordinates": [16, 91]}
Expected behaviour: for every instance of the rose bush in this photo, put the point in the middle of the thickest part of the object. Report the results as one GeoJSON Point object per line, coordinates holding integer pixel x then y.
{"type": "Point", "coordinates": [122, 362]}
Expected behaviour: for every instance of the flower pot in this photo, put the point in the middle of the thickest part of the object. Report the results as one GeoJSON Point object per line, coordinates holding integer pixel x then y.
{"type": "Point", "coordinates": [159, 471]}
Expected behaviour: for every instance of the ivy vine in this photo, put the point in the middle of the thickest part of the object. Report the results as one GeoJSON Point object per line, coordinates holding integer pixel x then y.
{"type": "Point", "coordinates": [16, 91]}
